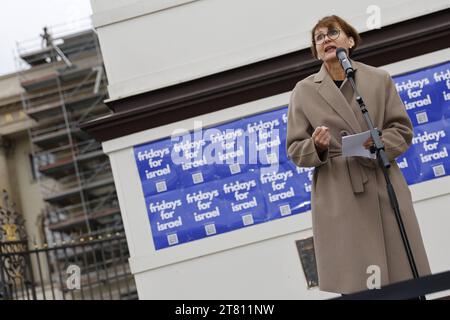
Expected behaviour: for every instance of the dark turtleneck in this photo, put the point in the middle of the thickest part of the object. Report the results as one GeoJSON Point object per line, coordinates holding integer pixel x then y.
{"type": "Point", "coordinates": [338, 83]}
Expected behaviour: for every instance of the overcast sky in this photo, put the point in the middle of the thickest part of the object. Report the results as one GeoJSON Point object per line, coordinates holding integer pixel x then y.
{"type": "Point", "coordinates": [22, 20]}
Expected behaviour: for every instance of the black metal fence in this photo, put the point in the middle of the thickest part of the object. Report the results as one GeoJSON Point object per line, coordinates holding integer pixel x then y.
{"type": "Point", "coordinates": [94, 268]}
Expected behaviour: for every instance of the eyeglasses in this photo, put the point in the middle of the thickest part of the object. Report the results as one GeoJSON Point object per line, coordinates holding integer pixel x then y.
{"type": "Point", "coordinates": [332, 34]}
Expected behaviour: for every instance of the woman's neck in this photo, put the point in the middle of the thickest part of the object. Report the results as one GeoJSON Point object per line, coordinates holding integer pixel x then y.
{"type": "Point", "coordinates": [335, 70]}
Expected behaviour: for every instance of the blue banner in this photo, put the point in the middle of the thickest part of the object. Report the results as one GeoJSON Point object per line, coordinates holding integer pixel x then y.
{"type": "Point", "coordinates": [236, 175]}
{"type": "Point", "coordinates": [286, 190]}
{"type": "Point", "coordinates": [426, 96]}
{"type": "Point", "coordinates": [244, 200]}
{"type": "Point", "coordinates": [206, 210]}
{"type": "Point", "coordinates": [156, 168]}
{"type": "Point", "coordinates": [168, 219]}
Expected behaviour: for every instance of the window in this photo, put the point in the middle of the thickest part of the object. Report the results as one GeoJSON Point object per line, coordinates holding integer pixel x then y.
{"type": "Point", "coordinates": [37, 161]}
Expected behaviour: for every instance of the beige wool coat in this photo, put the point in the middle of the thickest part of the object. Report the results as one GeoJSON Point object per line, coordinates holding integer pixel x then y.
{"type": "Point", "coordinates": [354, 226]}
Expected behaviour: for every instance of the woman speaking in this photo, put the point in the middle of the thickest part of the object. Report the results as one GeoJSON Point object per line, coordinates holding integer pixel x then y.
{"type": "Point", "coordinates": [354, 227]}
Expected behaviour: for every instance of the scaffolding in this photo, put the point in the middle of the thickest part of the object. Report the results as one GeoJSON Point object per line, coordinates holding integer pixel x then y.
{"type": "Point", "coordinates": [64, 83]}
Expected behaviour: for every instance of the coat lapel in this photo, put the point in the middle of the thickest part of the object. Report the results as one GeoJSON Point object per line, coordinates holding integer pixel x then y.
{"type": "Point", "coordinates": [334, 97]}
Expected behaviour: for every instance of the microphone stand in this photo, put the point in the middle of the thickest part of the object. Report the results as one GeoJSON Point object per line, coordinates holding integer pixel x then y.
{"type": "Point", "coordinates": [383, 162]}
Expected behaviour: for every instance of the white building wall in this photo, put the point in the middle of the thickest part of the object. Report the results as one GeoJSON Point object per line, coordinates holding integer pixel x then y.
{"type": "Point", "coordinates": [148, 46]}
{"type": "Point", "coordinates": [152, 44]}
{"type": "Point", "coordinates": [260, 262]}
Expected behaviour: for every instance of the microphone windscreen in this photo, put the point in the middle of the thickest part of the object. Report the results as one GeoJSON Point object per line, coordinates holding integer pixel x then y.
{"type": "Point", "coordinates": [339, 52]}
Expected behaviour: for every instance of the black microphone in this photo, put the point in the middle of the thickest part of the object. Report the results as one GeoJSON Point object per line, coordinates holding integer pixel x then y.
{"type": "Point", "coordinates": [341, 54]}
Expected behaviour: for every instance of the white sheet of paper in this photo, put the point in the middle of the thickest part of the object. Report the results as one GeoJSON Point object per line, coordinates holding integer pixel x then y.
{"type": "Point", "coordinates": [352, 145]}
